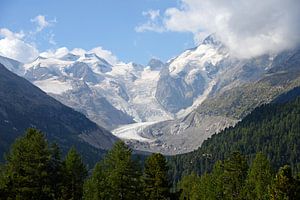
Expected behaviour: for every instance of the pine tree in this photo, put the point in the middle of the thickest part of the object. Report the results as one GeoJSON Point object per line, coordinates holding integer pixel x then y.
{"type": "Point", "coordinates": [96, 188]}
{"type": "Point", "coordinates": [216, 184]}
{"type": "Point", "coordinates": [27, 167]}
{"type": "Point", "coordinates": [235, 172]}
{"type": "Point", "coordinates": [56, 174]}
{"type": "Point", "coordinates": [122, 173]}
{"type": "Point", "coordinates": [156, 184]}
{"type": "Point", "coordinates": [74, 175]}
{"type": "Point", "coordinates": [3, 183]}
{"type": "Point", "coordinates": [201, 190]}
{"type": "Point", "coordinates": [186, 186]}
{"type": "Point", "coordinates": [284, 186]}
{"type": "Point", "coordinates": [259, 178]}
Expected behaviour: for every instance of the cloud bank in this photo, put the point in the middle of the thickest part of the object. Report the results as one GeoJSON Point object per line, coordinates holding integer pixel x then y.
{"type": "Point", "coordinates": [13, 46]}
{"type": "Point", "coordinates": [248, 27]}
{"type": "Point", "coordinates": [21, 45]}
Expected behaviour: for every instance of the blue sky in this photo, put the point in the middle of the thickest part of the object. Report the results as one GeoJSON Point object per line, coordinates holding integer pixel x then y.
{"type": "Point", "coordinates": [87, 24]}
{"type": "Point", "coordinates": [138, 30]}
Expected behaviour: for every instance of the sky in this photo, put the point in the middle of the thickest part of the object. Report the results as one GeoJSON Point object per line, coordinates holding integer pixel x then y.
{"type": "Point", "coordinates": [110, 24]}
{"type": "Point", "coordinates": [138, 30]}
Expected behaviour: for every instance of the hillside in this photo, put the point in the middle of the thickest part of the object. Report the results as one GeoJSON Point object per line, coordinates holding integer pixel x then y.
{"type": "Point", "coordinates": [273, 129]}
{"type": "Point", "coordinates": [23, 105]}
{"type": "Point", "coordinates": [170, 107]}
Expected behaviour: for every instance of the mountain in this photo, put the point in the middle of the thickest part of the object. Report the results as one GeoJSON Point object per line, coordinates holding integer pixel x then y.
{"type": "Point", "coordinates": [272, 129]}
{"type": "Point", "coordinates": [109, 95]}
{"type": "Point", "coordinates": [208, 90]}
{"type": "Point", "coordinates": [23, 105]}
{"type": "Point", "coordinates": [165, 107]}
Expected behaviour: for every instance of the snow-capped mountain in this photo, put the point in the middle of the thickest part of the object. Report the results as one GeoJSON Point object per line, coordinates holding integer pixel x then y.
{"type": "Point", "coordinates": [171, 108]}
{"type": "Point", "coordinates": [109, 95]}
{"type": "Point", "coordinates": [208, 89]}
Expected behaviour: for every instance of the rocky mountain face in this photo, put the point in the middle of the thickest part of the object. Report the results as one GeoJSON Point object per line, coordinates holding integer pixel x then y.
{"type": "Point", "coordinates": [23, 105]}
{"type": "Point", "coordinates": [167, 107]}
{"type": "Point", "coordinates": [207, 90]}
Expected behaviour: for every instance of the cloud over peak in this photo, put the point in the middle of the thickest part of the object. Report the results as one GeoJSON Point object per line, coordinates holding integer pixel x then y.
{"type": "Point", "coordinates": [248, 28]}
{"type": "Point", "coordinates": [13, 46]}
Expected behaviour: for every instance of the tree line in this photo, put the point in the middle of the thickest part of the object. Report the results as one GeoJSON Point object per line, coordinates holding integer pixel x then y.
{"type": "Point", "coordinates": [273, 129]}
{"type": "Point", "coordinates": [234, 179]}
{"type": "Point", "coordinates": [34, 169]}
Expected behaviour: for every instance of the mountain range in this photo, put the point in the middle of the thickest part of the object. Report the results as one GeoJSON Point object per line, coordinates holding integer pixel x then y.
{"type": "Point", "coordinates": [23, 105]}
{"type": "Point", "coordinates": [164, 107]}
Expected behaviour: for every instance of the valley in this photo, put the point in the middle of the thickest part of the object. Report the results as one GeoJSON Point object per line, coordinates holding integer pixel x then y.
{"type": "Point", "coordinates": [163, 107]}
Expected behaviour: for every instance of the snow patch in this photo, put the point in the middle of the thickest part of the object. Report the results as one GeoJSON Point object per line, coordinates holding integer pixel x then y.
{"type": "Point", "coordinates": [53, 86]}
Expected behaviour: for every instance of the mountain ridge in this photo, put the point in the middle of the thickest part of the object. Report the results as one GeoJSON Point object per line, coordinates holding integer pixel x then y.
{"type": "Point", "coordinates": [203, 87]}
{"type": "Point", "coordinates": [23, 105]}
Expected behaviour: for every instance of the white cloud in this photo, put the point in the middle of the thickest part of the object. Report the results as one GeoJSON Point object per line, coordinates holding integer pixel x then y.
{"type": "Point", "coordinates": [153, 22]}
{"type": "Point", "coordinates": [248, 27]}
{"type": "Point", "coordinates": [12, 46]}
{"type": "Point", "coordinates": [4, 32]}
{"type": "Point", "coordinates": [106, 55]}
{"type": "Point", "coordinates": [51, 39]}
{"type": "Point", "coordinates": [152, 14]}
{"type": "Point", "coordinates": [78, 51]}
{"type": "Point", "coordinates": [42, 23]}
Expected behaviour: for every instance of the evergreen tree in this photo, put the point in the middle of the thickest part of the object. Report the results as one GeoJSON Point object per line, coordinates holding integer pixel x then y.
{"type": "Point", "coordinates": [186, 186]}
{"type": "Point", "coordinates": [75, 173]}
{"type": "Point", "coordinates": [156, 184]}
{"type": "Point", "coordinates": [216, 183]}
{"type": "Point", "coordinates": [3, 183]}
{"type": "Point", "coordinates": [27, 167]}
{"type": "Point", "coordinates": [96, 188]}
{"type": "Point", "coordinates": [56, 174]}
{"type": "Point", "coordinates": [284, 186]}
{"type": "Point", "coordinates": [259, 178]}
{"type": "Point", "coordinates": [122, 174]}
{"type": "Point", "coordinates": [235, 172]}
{"type": "Point", "coordinates": [201, 190]}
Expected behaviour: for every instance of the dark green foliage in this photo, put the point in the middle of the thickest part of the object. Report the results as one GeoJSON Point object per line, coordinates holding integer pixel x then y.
{"type": "Point", "coordinates": [272, 129]}
{"type": "Point", "coordinates": [96, 187]}
{"type": "Point", "coordinates": [4, 191]}
{"type": "Point", "coordinates": [27, 167]}
{"type": "Point", "coordinates": [123, 173]}
{"type": "Point", "coordinates": [118, 176]}
{"type": "Point", "coordinates": [74, 175]}
{"type": "Point", "coordinates": [34, 170]}
{"type": "Point", "coordinates": [235, 172]}
{"type": "Point", "coordinates": [228, 180]}
{"type": "Point", "coordinates": [156, 184]}
{"type": "Point", "coordinates": [187, 186]}
{"type": "Point", "coordinates": [216, 183]}
{"type": "Point", "coordinates": [285, 186]}
{"type": "Point", "coordinates": [24, 105]}
{"type": "Point", "coordinates": [259, 178]}
{"type": "Point", "coordinates": [56, 175]}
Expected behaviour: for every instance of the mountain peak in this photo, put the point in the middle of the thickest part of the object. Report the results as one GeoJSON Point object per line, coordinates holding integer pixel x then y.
{"type": "Point", "coordinates": [155, 64]}
{"type": "Point", "coordinates": [69, 57]}
{"type": "Point", "coordinates": [211, 40]}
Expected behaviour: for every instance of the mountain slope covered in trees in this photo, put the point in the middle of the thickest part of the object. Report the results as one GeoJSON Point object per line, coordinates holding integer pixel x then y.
{"type": "Point", "coordinates": [273, 129]}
